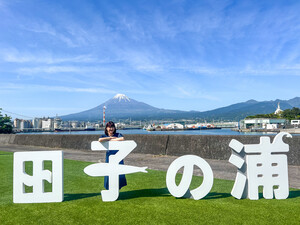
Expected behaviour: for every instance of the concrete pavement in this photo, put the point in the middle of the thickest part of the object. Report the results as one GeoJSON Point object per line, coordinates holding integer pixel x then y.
{"type": "Point", "coordinates": [222, 169]}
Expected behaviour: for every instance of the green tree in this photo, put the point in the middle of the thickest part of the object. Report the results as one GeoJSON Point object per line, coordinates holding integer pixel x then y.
{"type": "Point", "coordinates": [270, 115]}
{"type": "Point", "coordinates": [5, 124]}
{"type": "Point", "coordinates": [291, 114]}
{"type": "Point", "coordinates": [288, 114]}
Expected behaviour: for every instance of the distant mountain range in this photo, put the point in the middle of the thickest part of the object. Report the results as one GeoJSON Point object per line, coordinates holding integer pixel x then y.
{"type": "Point", "coordinates": [122, 107]}
{"type": "Point", "coordinates": [252, 107]}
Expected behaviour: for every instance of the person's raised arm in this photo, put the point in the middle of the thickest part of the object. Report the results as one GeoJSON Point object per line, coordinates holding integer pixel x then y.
{"type": "Point", "coordinates": [105, 139]}
{"type": "Point", "coordinates": [111, 139]}
{"type": "Point", "coordinates": [118, 139]}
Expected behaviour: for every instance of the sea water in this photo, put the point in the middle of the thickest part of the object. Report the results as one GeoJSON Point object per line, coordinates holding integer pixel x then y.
{"type": "Point", "coordinates": [223, 131]}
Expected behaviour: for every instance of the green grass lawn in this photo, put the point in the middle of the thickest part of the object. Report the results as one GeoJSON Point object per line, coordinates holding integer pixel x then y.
{"type": "Point", "coordinates": [145, 200]}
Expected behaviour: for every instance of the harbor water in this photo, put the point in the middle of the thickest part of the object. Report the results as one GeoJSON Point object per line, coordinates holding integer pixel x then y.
{"type": "Point", "coordinates": [223, 131]}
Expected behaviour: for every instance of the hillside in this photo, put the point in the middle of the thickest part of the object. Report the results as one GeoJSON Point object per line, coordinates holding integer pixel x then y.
{"type": "Point", "coordinates": [123, 107]}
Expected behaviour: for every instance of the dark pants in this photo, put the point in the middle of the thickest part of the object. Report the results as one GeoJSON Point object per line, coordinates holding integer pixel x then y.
{"type": "Point", "coordinates": [122, 178]}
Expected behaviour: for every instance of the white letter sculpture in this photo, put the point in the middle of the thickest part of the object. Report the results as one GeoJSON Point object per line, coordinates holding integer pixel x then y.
{"type": "Point", "coordinates": [21, 178]}
{"type": "Point", "coordinates": [188, 162]}
{"type": "Point", "coordinates": [112, 169]}
{"type": "Point", "coordinates": [257, 166]}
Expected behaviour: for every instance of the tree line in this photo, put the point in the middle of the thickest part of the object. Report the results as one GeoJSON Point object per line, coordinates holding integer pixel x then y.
{"type": "Point", "coordinates": [5, 124]}
{"type": "Point", "coordinates": [288, 114]}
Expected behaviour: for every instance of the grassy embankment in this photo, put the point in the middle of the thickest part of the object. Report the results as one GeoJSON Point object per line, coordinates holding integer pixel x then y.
{"type": "Point", "coordinates": [145, 200]}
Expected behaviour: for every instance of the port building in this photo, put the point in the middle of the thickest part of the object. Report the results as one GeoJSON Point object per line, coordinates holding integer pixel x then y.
{"type": "Point", "coordinates": [262, 123]}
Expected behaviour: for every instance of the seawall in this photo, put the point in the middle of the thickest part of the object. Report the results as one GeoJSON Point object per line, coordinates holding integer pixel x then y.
{"type": "Point", "coordinates": [205, 146]}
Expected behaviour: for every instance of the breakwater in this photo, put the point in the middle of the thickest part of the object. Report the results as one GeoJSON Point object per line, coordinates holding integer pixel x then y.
{"type": "Point", "coordinates": [205, 146]}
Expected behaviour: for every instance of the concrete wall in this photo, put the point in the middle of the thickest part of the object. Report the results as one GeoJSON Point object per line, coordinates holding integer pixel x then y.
{"type": "Point", "coordinates": [217, 146]}
{"type": "Point", "coordinates": [7, 138]}
{"type": "Point", "coordinates": [206, 146]}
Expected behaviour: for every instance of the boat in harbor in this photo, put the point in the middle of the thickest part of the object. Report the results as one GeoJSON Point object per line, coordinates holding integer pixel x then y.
{"type": "Point", "coordinates": [203, 128]}
{"type": "Point", "coordinates": [179, 127]}
{"type": "Point", "coordinates": [74, 129]}
{"type": "Point", "coordinates": [150, 127]}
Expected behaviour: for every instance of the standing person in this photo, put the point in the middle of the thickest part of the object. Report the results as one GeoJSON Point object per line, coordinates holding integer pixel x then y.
{"type": "Point", "coordinates": [112, 135]}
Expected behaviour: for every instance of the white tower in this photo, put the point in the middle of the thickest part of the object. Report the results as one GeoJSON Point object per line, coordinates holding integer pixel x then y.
{"type": "Point", "coordinates": [278, 110]}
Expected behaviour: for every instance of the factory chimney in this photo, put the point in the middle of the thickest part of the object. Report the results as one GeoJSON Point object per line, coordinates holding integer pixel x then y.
{"type": "Point", "coordinates": [104, 107]}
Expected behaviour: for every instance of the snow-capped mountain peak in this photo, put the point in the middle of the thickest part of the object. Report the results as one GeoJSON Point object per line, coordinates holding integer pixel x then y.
{"type": "Point", "coordinates": [121, 97]}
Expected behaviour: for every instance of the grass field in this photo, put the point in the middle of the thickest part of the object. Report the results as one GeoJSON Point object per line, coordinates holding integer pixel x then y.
{"type": "Point", "coordinates": [145, 200]}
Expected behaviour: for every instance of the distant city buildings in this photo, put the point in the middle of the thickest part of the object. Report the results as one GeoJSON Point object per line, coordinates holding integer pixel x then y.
{"type": "Point", "coordinates": [37, 123]}
{"type": "Point", "coordinates": [48, 124]}
{"type": "Point", "coordinates": [17, 123]}
{"type": "Point", "coordinates": [52, 124]}
{"type": "Point", "coordinates": [57, 123]}
{"type": "Point", "coordinates": [22, 124]}
{"type": "Point", "coordinates": [25, 124]}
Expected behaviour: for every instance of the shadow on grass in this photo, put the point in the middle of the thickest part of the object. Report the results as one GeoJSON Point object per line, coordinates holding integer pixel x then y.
{"type": "Point", "coordinates": [71, 197]}
{"type": "Point", "coordinates": [159, 192]}
{"type": "Point", "coordinates": [294, 194]}
{"type": "Point", "coordinates": [122, 195]}
{"type": "Point", "coordinates": [215, 195]}
{"type": "Point", "coordinates": [163, 192]}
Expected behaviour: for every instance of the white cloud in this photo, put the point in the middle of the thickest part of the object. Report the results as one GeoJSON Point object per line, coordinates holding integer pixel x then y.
{"type": "Point", "coordinates": [190, 91]}
{"type": "Point", "coordinates": [75, 89]}
{"type": "Point", "coordinates": [144, 60]}
{"type": "Point", "coordinates": [46, 28]}
{"type": "Point", "coordinates": [13, 55]}
{"type": "Point", "coordinates": [51, 69]}
{"type": "Point", "coordinates": [84, 70]}
{"type": "Point", "coordinates": [43, 88]}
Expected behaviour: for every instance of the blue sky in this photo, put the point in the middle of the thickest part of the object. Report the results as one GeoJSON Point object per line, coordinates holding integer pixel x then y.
{"type": "Point", "coordinates": [61, 57]}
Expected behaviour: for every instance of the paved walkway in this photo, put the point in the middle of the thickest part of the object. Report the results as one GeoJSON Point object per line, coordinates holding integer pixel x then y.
{"type": "Point", "coordinates": [222, 169]}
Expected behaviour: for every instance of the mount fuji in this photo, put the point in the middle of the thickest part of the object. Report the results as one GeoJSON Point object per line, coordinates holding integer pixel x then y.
{"type": "Point", "coordinates": [122, 107]}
